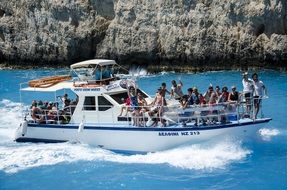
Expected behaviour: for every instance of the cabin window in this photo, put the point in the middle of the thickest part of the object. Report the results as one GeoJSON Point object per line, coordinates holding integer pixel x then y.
{"type": "Point", "coordinates": [90, 103]}
{"type": "Point", "coordinates": [120, 98]}
{"type": "Point", "coordinates": [143, 94]}
{"type": "Point", "coordinates": [104, 104]}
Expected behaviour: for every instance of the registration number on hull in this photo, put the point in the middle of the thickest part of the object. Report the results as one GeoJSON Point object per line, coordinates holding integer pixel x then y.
{"type": "Point", "coordinates": [183, 133]}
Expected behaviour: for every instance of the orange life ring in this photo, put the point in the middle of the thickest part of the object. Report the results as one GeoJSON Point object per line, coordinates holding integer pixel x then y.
{"type": "Point", "coordinates": [48, 81]}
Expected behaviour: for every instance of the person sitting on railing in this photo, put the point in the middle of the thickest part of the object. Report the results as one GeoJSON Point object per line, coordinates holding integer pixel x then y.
{"type": "Point", "coordinates": [217, 92]}
{"type": "Point", "coordinates": [196, 96]}
{"type": "Point", "coordinates": [157, 107]}
{"type": "Point", "coordinates": [223, 98]}
{"type": "Point", "coordinates": [209, 94]}
{"type": "Point", "coordinates": [224, 95]}
{"type": "Point", "coordinates": [189, 100]}
{"type": "Point", "coordinates": [142, 103]}
{"type": "Point", "coordinates": [259, 91]}
{"type": "Point", "coordinates": [143, 107]}
{"type": "Point", "coordinates": [176, 90]}
{"type": "Point", "coordinates": [126, 106]}
{"type": "Point", "coordinates": [202, 100]}
{"type": "Point", "coordinates": [213, 109]}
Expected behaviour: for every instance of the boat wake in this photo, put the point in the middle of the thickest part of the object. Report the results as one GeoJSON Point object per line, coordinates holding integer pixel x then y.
{"type": "Point", "coordinates": [267, 134]}
{"type": "Point", "coordinates": [16, 157]}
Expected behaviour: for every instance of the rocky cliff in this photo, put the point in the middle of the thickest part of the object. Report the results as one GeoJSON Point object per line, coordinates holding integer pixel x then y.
{"type": "Point", "coordinates": [183, 32]}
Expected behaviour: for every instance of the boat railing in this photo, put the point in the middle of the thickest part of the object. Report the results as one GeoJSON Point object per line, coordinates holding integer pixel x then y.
{"type": "Point", "coordinates": [151, 115]}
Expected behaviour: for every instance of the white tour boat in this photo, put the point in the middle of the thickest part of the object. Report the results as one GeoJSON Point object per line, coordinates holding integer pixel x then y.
{"type": "Point", "coordinates": [93, 116]}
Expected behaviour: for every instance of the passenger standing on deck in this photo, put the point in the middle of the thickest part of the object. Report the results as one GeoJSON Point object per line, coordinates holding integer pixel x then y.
{"type": "Point", "coordinates": [259, 91]}
{"type": "Point", "coordinates": [134, 104]}
{"type": "Point", "coordinates": [176, 90]}
{"type": "Point", "coordinates": [248, 89]}
{"type": "Point", "coordinates": [163, 89]}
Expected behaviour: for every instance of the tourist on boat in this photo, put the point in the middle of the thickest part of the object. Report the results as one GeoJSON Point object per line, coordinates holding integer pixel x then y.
{"type": "Point", "coordinates": [224, 95]}
{"type": "Point", "coordinates": [247, 91]}
{"type": "Point", "coordinates": [157, 107]}
{"type": "Point", "coordinates": [50, 106]}
{"type": "Point", "coordinates": [189, 99]}
{"type": "Point", "coordinates": [40, 104]}
{"type": "Point", "coordinates": [195, 96]}
{"type": "Point", "coordinates": [143, 108]}
{"type": "Point", "coordinates": [164, 90]}
{"type": "Point", "coordinates": [259, 91]}
{"type": "Point", "coordinates": [233, 95]}
{"type": "Point", "coordinates": [209, 94]}
{"type": "Point", "coordinates": [142, 103]}
{"type": "Point", "coordinates": [134, 104]}
{"type": "Point", "coordinates": [233, 99]}
{"type": "Point", "coordinates": [37, 114]}
{"type": "Point", "coordinates": [217, 92]}
{"type": "Point", "coordinates": [202, 100]}
{"type": "Point", "coordinates": [126, 106]}
{"type": "Point", "coordinates": [106, 73]}
{"type": "Point", "coordinates": [33, 104]}
{"type": "Point", "coordinates": [176, 90]}
{"type": "Point", "coordinates": [67, 107]}
{"type": "Point", "coordinates": [64, 97]}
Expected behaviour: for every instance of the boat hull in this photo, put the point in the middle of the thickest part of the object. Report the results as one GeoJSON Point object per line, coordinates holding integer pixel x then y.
{"type": "Point", "coordinates": [137, 139]}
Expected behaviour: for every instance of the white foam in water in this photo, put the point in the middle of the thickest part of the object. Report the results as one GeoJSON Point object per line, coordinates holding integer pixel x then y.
{"type": "Point", "coordinates": [267, 134]}
{"type": "Point", "coordinates": [24, 156]}
{"type": "Point", "coordinates": [15, 157]}
{"type": "Point", "coordinates": [10, 113]}
{"type": "Point", "coordinates": [192, 157]}
{"type": "Point", "coordinates": [138, 72]}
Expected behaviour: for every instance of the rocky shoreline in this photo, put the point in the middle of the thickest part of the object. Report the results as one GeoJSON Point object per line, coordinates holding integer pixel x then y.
{"type": "Point", "coordinates": [196, 35]}
{"type": "Point", "coordinates": [157, 68]}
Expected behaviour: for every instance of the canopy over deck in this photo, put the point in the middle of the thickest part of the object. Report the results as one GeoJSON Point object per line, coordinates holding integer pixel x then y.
{"type": "Point", "coordinates": [56, 87]}
{"type": "Point", "coordinates": [93, 63]}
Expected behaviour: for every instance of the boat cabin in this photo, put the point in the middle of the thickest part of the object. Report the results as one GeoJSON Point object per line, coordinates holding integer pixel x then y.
{"type": "Point", "coordinates": [100, 94]}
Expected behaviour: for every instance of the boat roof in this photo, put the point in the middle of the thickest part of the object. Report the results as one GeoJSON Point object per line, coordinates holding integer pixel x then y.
{"type": "Point", "coordinates": [56, 87]}
{"type": "Point", "coordinates": [100, 62]}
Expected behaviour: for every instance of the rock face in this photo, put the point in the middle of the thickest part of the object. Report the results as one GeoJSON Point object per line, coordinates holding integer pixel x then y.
{"type": "Point", "coordinates": [52, 30]}
{"type": "Point", "coordinates": [185, 32]}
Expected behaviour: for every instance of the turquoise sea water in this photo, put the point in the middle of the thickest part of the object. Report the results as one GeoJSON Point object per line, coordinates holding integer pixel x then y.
{"type": "Point", "coordinates": [224, 164]}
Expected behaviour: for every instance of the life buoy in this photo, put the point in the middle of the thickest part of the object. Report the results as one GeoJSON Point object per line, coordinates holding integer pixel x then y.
{"type": "Point", "coordinates": [48, 81]}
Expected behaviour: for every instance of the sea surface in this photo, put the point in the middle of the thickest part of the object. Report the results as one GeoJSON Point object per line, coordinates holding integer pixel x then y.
{"type": "Point", "coordinates": [259, 163]}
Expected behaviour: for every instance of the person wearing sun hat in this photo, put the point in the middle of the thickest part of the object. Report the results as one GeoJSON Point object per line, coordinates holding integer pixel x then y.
{"type": "Point", "coordinates": [195, 96]}
{"type": "Point", "coordinates": [233, 95]}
